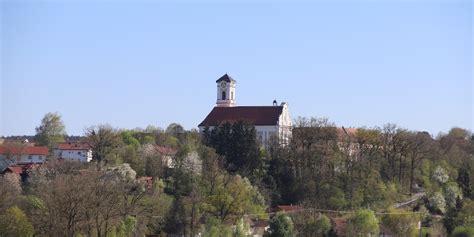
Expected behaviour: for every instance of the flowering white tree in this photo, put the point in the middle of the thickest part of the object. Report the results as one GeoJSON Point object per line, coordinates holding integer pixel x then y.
{"type": "Point", "coordinates": [437, 202]}
{"type": "Point", "coordinates": [451, 193]}
{"type": "Point", "coordinates": [440, 175]}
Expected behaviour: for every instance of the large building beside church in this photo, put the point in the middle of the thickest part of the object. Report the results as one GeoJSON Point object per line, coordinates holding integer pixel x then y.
{"type": "Point", "coordinates": [270, 121]}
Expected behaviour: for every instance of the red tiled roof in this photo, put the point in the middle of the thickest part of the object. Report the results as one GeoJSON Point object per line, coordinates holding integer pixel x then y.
{"type": "Point", "coordinates": [148, 180]}
{"type": "Point", "coordinates": [15, 169]}
{"type": "Point", "coordinates": [166, 151]}
{"type": "Point", "coordinates": [20, 168]}
{"type": "Point", "coordinates": [256, 115]}
{"type": "Point", "coordinates": [73, 146]}
{"type": "Point", "coordinates": [25, 150]}
{"type": "Point", "coordinates": [340, 226]}
{"type": "Point", "coordinates": [290, 208]}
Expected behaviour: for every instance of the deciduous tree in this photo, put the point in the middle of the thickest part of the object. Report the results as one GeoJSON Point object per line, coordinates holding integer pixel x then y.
{"type": "Point", "coordinates": [362, 223]}
{"type": "Point", "coordinates": [103, 139]}
{"type": "Point", "coordinates": [401, 223]}
{"type": "Point", "coordinates": [13, 223]}
{"type": "Point", "coordinates": [51, 130]}
{"type": "Point", "coordinates": [236, 142]}
{"type": "Point", "coordinates": [281, 225]}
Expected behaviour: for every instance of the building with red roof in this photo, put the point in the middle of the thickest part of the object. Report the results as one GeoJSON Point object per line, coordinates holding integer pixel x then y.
{"type": "Point", "coordinates": [165, 151]}
{"type": "Point", "coordinates": [16, 169]}
{"type": "Point", "coordinates": [76, 151]}
{"type": "Point", "coordinates": [339, 226]}
{"type": "Point", "coordinates": [23, 154]}
{"type": "Point", "coordinates": [269, 121]}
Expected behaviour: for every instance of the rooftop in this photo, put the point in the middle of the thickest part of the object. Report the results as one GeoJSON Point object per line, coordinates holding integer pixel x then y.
{"type": "Point", "coordinates": [73, 146]}
{"type": "Point", "coordinates": [226, 78]}
{"type": "Point", "coordinates": [256, 115]}
{"type": "Point", "coordinates": [23, 150]}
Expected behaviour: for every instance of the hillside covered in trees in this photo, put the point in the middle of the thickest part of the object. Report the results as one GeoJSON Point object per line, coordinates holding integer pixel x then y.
{"type": "Point", "coordinates": [224, 183]}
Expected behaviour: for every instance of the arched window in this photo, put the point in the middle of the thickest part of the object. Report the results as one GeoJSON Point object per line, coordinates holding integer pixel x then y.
{"type": "Point", "coordinates": [223, 95]}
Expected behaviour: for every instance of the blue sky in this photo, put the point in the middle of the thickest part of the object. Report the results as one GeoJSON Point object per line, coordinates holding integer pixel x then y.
{"type": "Point", "coordinates": [135, 63]}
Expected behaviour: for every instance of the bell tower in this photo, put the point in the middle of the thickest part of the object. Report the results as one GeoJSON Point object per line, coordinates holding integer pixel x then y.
{"type": "Point", "coordinates": [225, 91]}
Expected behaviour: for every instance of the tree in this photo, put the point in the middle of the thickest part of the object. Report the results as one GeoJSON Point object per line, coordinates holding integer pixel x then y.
{"type": "Point", "coordinates": [129, 139]}
{"type": "Point", "coordinates": [459, 133]}
{"type": "Point", "coordinates": [332, 197]}
{"type": "Point", "coordinates": [14, 223]}
{"type": "Point", "coordinates": [114, 194]}
{"type": "Point", "coordinates": [465, 216]}
{"type": "Point", "coordinates": [83, 201]}
{"type": "Point", "coordinates": [215, 228]}
{"type": "Point", "coordinates": [176, 219]}
{"type": "Point", "coordinates": [236, 142]}
{"type": "Point", "coordinates": [464, 181]}
{"type": "Point", "coordinates": [230, 197]}
{"type": "Point", "coordinates": [312, 155]}
{"type": "Point", "coordinates": [127, 227]}
{"type": "Point", "coordinates": [63, 204]}
{"type": "Point", "coordinates": [10, 190]}
{"type": "Point", "coordinates": [102, 139]}
{"type": "Point", "coordinates": [51, 130]}
{"type": "Point", "coordinates": [281, 225]}
{"type": "Point", "coordinates": [401, 223]}
{"type": "Point", "coordinates": [440, 175]}
{"type": "Point", "coordinates": [363, 223]}
{"type": "Point", "coordinates": [318, 226]}
{"type": "Point", "coordinates": [437, 202]}
{"type": "Point", "coordinates": [175, 129]}
{"type": "Point", "coordinates": [420, 144]}
{"type": "Point", "coordinates": [463, 231]}
{"type": "Point", "coordinates": [452, 193]}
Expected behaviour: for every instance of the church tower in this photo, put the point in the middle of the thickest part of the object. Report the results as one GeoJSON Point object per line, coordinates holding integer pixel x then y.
{"type": "Point", "coordinates": [225, 91]}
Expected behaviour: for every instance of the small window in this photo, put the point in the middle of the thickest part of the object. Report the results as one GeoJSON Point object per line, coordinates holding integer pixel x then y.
{"type": "Point", "coordinates": [30, 157]}
{"type": "Point", "coordinates": [223, 95]}
{"type": "Point", "coordinates": [78, 152]}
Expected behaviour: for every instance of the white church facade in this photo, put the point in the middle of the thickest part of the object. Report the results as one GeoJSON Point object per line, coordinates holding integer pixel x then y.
{"type": "Point", "coordinates": [270, 121]}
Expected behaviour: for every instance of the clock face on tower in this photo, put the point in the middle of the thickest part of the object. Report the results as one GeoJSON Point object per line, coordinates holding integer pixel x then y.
{"type": "Point", "coordinates": [223, 84]}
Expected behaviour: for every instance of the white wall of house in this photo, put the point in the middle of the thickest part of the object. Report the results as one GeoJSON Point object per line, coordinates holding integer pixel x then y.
{"type": "Point", "coordinates": [73, 154]}
{"type": "Point", "coordinates": [27, 159]}
{"type": "Point", "coordinates": [285, 125]}
{"type": "Point", "coordinates": [265, 133]}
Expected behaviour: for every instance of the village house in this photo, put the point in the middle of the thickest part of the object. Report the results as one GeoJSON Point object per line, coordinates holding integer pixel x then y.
{"type": "Point", "coordinates": [18, 172]}
{"type": "Point", "coordinates": [269, 121]}
{"type": "Point", "coordinates": [24, 154]}
{"type": "Point", "coordinates": [167, 154]}
{"type": "Point", "coordinates": [73, 151]}
{"type": "Point", "coordinates": [339, 226]}
{"type": "Point", "coordinates": [258, 227]}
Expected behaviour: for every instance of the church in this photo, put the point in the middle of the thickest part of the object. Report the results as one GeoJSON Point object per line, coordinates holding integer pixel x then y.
{"type": "Point", "coordinates": [270, 121]}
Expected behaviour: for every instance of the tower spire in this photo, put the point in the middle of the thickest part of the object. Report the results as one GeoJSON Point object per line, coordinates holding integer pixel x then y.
{"type": "Point", "coordinates": [225, 91]}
